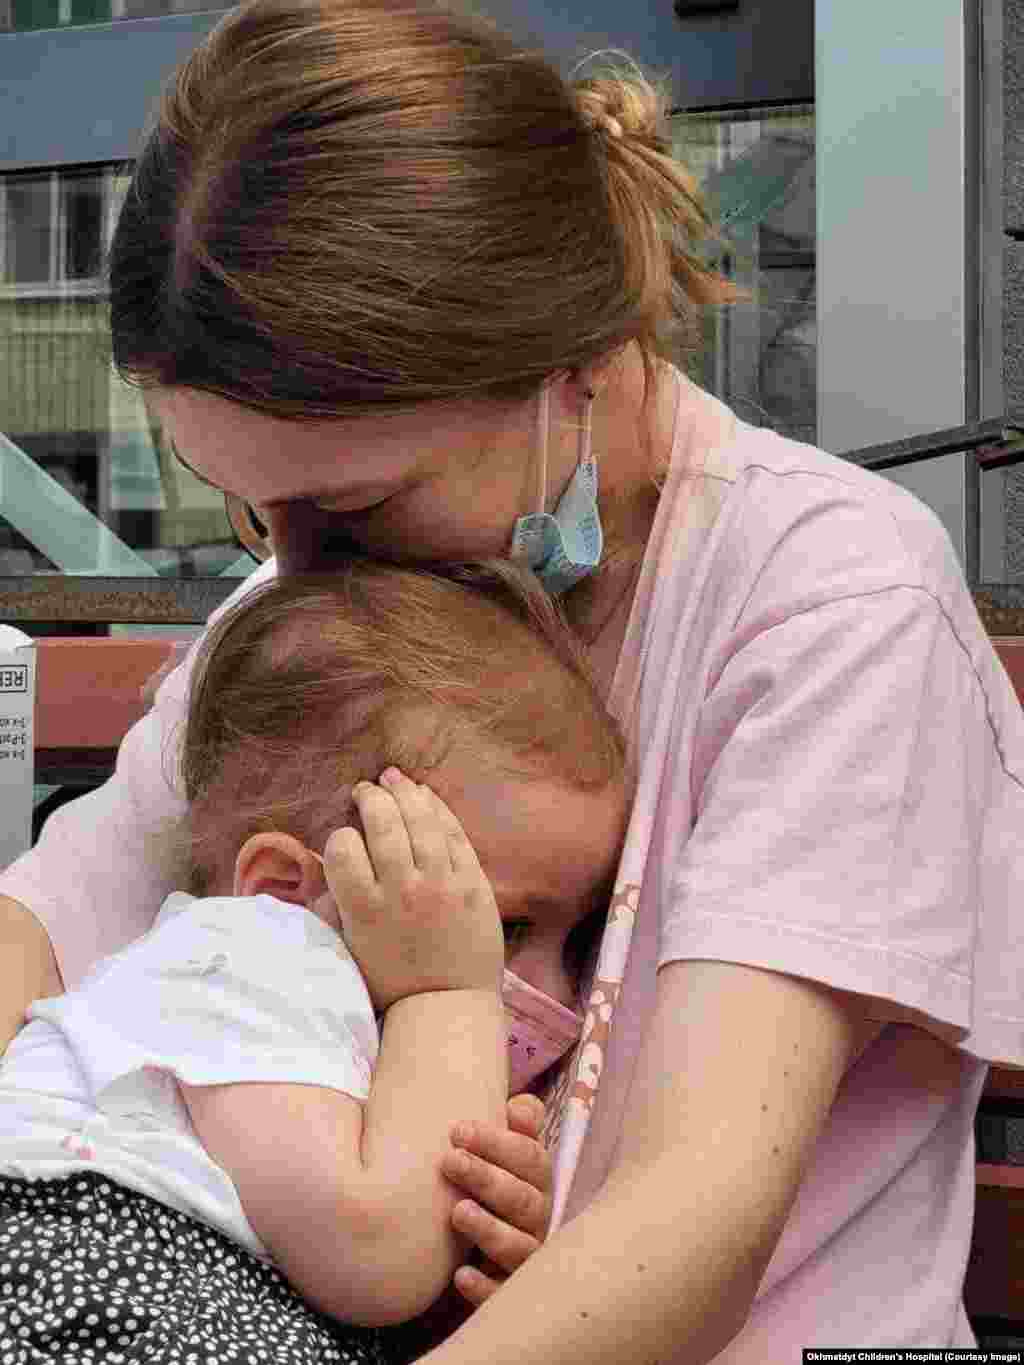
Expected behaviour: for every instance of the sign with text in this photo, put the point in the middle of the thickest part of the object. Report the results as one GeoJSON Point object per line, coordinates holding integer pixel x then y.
{"type": "Point", "coordinates": [17, 702]}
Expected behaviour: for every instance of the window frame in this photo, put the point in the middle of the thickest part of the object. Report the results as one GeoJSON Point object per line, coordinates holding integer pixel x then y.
{"type": "Point", "coordinates": [59, 285]}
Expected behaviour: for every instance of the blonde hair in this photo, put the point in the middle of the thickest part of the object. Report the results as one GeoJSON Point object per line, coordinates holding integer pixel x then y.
{"type": "Point", "coordinates": [312, 684]}
{"type": "Point", "coordinates": [347, 206]}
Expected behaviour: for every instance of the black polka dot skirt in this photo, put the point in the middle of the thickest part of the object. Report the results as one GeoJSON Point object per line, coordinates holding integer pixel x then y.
{"type": "Point", "coordinates": [91, 1271]}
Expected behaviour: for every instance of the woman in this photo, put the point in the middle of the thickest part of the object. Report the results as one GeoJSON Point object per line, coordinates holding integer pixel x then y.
{"type": "Point", "coordinates": [390, 279]}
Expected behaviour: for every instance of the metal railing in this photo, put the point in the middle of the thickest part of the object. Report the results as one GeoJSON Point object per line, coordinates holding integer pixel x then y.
{"type": "Point", "coordinates": [997, 443]}
{"type": "Point", "coordinates": [984, 446]}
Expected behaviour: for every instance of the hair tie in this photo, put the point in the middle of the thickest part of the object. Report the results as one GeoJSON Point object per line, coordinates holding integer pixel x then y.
{"type": "Point", "coordinates": [610, 125]}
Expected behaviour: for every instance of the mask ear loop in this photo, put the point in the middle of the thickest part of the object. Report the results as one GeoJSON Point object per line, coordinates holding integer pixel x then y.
{"type": "Point", "coordinates": [543, 427]}
{"type": "Point", "coordinates": [543, 431]}
{"type": "Point", "coordinates": [584, 453]}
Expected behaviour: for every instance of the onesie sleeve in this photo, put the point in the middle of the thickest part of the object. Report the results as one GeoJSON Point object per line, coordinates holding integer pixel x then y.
{"type": "Point", "coordinates": [858, 786]}
{"type": "Point", "coordinates": [96, 876]}
{"type": "Point", "coordinates": [224, 990]}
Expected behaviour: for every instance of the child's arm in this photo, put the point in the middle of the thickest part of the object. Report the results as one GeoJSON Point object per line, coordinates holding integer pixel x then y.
{"type": "Point", "coordinates": [351, 1202]}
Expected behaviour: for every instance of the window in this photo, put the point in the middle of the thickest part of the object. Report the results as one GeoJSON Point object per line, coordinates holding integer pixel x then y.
{"type": "Point", "coordinates": [28, 224]}
{"type": "Point", "coordinates": [87, 485]}
{"type": "Point", "coordinates": [757, 170]}
{"type": "Point", "coordinates": [54, 227]}
{"type": "Point", "coordinates": [37, 14]}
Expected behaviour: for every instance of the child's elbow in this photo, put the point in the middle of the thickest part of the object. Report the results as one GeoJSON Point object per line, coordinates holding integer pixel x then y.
{"type": "Point", "coordinates": [380, 1309]}
{"type": "Point", "coordinates": [358, 1266]}
{"type": "Point", "coordinates": [373, 1258]}
{"type": "Point", "coordinates": [389, 1287]}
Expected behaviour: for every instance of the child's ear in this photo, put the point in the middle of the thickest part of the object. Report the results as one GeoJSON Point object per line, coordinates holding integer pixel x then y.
{"type": "Point", "coordinates": [278, 865]}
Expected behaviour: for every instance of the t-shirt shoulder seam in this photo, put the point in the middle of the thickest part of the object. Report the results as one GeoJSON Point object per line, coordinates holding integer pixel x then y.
{"type": "Point", "coordinates": [1014, 777]}
{"type": "Point", "coordinates": [863, 495]}
{"type": "Point", "coordinates": [873, 502]}
{"type": "Point", "coordinates": [866, 497]}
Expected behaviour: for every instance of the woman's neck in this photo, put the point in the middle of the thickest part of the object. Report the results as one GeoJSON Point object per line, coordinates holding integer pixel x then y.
{"type": "Point", "coordinates": [634, 443]}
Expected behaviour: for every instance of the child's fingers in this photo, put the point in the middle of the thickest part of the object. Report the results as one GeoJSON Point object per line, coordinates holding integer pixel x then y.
{"type": "Point", "coordinates": [504, 1246]}
{"type": "Point", "coordinates": [387, 840]}
{"type": "Point", "coordinates": [521, 1207]}
{"type": "Point", "coordinates": [525, 1115]}
{"type": "Point", "coordinates": [427, 838]}
{"type": "Point", "coordinates": [347, 867]}
{"type": "Point", "coordinates": [518, 1155]}
{"type": "Point", "coordinates": [473, 1285]}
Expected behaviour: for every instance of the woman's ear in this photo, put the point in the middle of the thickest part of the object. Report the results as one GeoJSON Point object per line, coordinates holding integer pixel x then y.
{"type": "Point", "coordinates": [591, 379]}
{"type": "Point", "coordinates": [278, 865]}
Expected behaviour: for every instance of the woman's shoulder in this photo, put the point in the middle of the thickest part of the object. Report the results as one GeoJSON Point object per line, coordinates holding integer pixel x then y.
{"type": "Point", "coordinates": [760, 535]}
{"type": "Point", "coordinates": [757, 503]}
{"type": "Point", "coordinates": [792, 478]}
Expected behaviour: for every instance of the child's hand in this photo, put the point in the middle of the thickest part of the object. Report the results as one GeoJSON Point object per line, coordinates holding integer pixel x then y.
{"type": "Point", "coordinates": [417, 912]}
{"type": "Point", "coordinates": [508, 1175]}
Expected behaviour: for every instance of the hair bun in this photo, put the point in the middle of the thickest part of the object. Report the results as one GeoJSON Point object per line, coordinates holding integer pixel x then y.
{"type": "Point", "coordinates": [621, 106]}
{"type": "Point", "coordinates": [607, 124]}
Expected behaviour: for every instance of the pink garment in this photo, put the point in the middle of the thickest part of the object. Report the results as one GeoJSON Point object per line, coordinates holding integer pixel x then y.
{"type": "Point", "coordinates": [831, 784]}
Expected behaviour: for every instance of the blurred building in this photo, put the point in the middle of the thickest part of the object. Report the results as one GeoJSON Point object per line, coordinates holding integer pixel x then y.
{"type": "Point", "coordinates": [863, 161]}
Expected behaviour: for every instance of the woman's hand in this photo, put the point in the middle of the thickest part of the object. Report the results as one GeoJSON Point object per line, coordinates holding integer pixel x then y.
{"type": "Point", "coordinates": [507, 1173]}
{"type": "Point", "coordinates": [417, 912]}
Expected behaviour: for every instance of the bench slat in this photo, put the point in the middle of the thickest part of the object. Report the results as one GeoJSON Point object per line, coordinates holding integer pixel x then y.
{"type": "Point", "coordinates": [89, 691]}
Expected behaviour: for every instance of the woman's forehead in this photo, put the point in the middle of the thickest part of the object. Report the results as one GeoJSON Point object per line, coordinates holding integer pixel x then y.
{"type": "Point", "coordinates": [268, 459]}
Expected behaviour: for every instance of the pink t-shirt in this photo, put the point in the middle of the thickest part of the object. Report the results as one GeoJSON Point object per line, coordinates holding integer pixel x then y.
{"type": "Point", "coordinates": [831, 784]}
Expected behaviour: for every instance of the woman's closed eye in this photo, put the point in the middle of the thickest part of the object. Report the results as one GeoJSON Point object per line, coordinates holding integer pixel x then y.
{"type": "Point", "coordinates": [343, 507]}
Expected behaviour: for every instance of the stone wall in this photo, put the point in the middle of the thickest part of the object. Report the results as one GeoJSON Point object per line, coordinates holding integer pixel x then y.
{"type": "Point", "coordinates": [1013, 267]}
{"type": "Point", "coordinates": [1013, 201]}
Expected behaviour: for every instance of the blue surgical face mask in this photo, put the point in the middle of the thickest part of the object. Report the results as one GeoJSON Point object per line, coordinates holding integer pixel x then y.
{"type": "Point", "coordinates": [563, 546]}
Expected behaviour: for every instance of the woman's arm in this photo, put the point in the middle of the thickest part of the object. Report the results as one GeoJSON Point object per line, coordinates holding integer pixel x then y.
{"type": "Point", "coordinates": [28, 968]}
{"type": "Point", "coordinates": [733, 1085]}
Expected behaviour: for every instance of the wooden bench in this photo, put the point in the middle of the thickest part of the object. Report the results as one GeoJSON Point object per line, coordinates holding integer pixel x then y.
{"type": "Point", "coordinates": [90, 691]}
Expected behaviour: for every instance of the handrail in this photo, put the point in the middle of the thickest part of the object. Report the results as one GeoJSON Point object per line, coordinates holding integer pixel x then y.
{"type": "Point", "coordinates": [995, 443]}
{"type": "Point", "coordinates": [126, 599]}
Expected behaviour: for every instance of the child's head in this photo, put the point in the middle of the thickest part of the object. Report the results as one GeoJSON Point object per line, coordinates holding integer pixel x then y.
{"type": "Point", "coordinates": [475, 687]}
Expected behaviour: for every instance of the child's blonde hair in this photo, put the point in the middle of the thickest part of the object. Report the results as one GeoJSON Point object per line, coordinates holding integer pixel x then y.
{"type": "Point", "coordinates": [312, 684]}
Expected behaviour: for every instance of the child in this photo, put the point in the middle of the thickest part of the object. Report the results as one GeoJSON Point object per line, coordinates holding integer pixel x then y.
{"type": "Point", "coordinates": [220, 1101]}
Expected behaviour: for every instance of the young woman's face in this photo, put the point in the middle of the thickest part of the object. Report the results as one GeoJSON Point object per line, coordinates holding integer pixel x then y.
{"type": "Point", "coordinates": [395, 486]}
{"type": "Point", "coordinates": [550, 853]}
